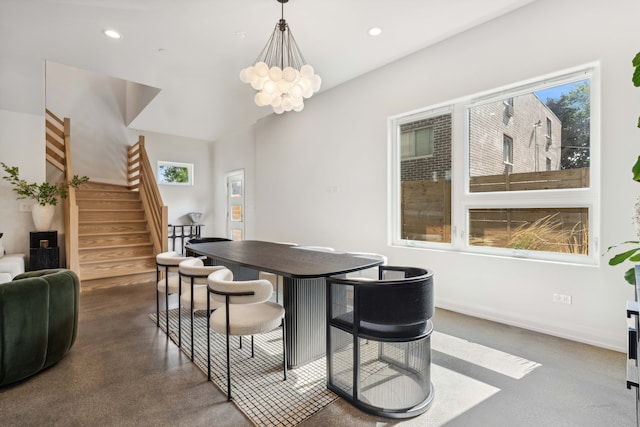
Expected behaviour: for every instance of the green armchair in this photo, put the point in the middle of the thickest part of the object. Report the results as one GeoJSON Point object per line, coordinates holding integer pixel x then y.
{"type": "Point", "coordinates": [38, 321]}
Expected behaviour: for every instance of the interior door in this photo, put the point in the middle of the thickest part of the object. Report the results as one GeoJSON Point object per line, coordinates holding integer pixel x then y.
{"type": "Point", "coordinates": [235, 205]}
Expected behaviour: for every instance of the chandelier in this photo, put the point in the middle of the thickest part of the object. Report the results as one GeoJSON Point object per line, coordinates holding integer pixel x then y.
{"type": "Point", "coordinates": [280, 74]}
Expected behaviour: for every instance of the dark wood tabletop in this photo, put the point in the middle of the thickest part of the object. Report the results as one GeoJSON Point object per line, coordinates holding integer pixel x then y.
{"type": "Point", "coordinates": [283, 259]}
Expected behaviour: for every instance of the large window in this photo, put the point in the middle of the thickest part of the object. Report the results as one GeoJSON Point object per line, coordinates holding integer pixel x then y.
{"type": "Point", "coordinates": [519, 163]}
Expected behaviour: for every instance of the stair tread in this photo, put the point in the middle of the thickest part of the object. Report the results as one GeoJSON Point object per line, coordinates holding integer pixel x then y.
{"type": "Point", "coordinates": [113, 260]}
{"type": "Point", "coordinates": [93, 190]}
{"type": "Point", "coordinates": [112, 222]}
{"type": "Point", "coordinates": [122, 245]}
{"type": "Point", "coordinates": [120, 273]}
{"type": "Point", "coordinates": [112, 210]}
{"type": "Point", "coordinates": [114, 233]}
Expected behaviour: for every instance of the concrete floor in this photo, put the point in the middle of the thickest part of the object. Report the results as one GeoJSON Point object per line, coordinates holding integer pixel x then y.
{"type": "Point", "coordinates": [122, 371]}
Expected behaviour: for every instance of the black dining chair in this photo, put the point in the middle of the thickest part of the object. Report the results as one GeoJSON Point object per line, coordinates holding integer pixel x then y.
{"type": "Point", "coordinates": [378, 341]}
{"type": "Point", "coordinates": [189, 252]}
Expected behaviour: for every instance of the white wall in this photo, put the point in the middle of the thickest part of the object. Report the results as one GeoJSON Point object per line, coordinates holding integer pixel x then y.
{"type": "Point", "coordinates": [21, 144]}
{"type": "Point", "coordinates": [184, 199]}
{"type": "Point", "coordinates": [96, 105]}
{"type": "Point", "coordinates": [321, 175]}
{"type": "Point", "coordinates": [231, 153]}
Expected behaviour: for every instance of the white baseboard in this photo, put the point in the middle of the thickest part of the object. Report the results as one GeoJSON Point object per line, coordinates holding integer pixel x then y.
{"type": "Point", "coordinates": [589, 336]}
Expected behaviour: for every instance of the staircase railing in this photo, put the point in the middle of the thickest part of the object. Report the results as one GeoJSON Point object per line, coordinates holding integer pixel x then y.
{"type": "Point", "coordinates": [58, 154]}
{"type": "Point", "coordinates": [141, 178]}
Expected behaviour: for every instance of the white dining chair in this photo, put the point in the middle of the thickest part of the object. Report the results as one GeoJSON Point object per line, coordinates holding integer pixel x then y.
{"type": "Point", "coordinates": [275, 279]}
{"type": "Point", "coordinates": [193, 274]}
{"type": "Point", "coordinates": [168, 281]}
{"type": "Point", "coordinates": [317, 248]}
{"type": "Point", "coordinates": [368, 273]}
{"type": "Point", "coordinates": [246, 310]}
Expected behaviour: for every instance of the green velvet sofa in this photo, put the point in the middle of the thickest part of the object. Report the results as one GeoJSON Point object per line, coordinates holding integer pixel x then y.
{"type": "Point", "coordinates": [38, 321]}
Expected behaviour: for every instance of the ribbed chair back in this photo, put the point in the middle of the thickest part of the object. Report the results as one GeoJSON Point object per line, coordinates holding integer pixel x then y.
{"type": "Point", "coordinates": [379, 341]}
{"type": "Point", "coordinates": [396, 309]}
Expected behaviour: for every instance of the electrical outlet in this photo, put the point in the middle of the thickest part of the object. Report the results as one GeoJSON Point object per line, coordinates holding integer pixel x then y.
{"type": "Point", "coordinates": [563, 299]}
{"type": "Point", "coordinates": [25, 207]}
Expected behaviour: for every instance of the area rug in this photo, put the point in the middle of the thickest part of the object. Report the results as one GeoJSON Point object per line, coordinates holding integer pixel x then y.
{"type": "Point", "coordinates": [258, 388]}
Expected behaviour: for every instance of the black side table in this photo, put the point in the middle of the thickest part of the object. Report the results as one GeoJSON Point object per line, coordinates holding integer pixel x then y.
{"type": "Point", "coordinates": [43, 250]}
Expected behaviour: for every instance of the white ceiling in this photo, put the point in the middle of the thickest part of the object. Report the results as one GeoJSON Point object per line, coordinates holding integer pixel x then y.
{"type": "Point", "coordinates": [191, 50]}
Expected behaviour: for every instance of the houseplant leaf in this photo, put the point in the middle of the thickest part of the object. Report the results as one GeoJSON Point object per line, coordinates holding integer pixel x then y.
{"type": "Point", "coordinates": [636, 71]}
{"type": "Point", "coordinates": [636, 166]}
{"type": "Point", "coordinates": [621, 257]}
{"type": "Point", "coordinates": [630, 276]}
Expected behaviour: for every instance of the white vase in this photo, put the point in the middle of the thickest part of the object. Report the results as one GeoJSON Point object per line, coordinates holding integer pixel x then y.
{"type": "Point", "coordinates": [42, 216]}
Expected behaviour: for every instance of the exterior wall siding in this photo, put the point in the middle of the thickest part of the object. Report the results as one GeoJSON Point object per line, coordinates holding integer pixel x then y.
{"type": "Point", "coordinates": [488, 123]}
{"type": "Point", "coordinates": [437, 166]}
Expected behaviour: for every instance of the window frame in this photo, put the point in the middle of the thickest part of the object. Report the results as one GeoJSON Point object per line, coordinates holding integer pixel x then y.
{"type": "Point", "coordinates": [462, 200]}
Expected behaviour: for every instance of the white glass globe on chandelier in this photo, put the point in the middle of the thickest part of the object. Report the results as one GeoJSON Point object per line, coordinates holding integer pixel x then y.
{"type": "Point", "coordinates": [280, 74]}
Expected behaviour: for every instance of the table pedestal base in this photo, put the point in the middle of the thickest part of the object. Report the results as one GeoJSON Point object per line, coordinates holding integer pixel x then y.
{"type": "Point", "coordinates": [305, 307]}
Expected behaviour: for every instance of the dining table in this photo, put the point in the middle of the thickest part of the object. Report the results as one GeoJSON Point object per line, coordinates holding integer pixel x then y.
{"type": "Point", "coordinates": [304, 272]}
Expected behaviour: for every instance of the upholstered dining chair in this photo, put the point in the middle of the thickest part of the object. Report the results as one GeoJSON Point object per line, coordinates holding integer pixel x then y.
{"type": "Point", "coordinates": [167, 267]}
{"type": "Point", "coordinates": [275, 279]}
{"type": "Point", "coordinates": [246, 311]}
{"type": "Point", "coordinates": [373, 273]}
{"type": "Point", "coordinates": [193, 275]}
{"type": "Point", "coordinates": [317, 248]}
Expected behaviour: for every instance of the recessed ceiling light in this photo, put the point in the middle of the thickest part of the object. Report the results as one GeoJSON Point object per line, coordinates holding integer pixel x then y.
{"type": "Point", "coordinates": [112, 34]}
{"type": "Point", "coordinates": [375, 31]}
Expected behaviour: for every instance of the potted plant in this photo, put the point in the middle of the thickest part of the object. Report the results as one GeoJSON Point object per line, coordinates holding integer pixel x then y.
{"type": "Point", "coordinates": [46, 195]}
{"type": "Point", "coordinates": [632, 254]}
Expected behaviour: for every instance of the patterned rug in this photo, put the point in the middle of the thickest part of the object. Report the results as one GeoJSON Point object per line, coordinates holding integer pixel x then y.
{"type": "Point", "coordinates": [257, 383]}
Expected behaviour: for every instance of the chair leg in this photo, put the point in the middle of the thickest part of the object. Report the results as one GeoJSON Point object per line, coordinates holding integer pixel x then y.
{"type": "Point", "coordinates": [166, 303]}
{"type": "Point", "coordinates": [192, 350]}
{"type": "Point", "coordinates": [157, 298]}
{"type": "Point", "coordinates": [228, 367]}
{"type": "Point", "coordinates": [284, 348]}
{"type": "Point", "coordinates": [166, 297]}
{"type": "Point", "coordinates": [228, 327]}
{"type": "Point", "coordinates": [208, 338]}
{"type": "Point", "coordinates": [251, 345]}
{"type": "Point", "coordinates": [179, 312]}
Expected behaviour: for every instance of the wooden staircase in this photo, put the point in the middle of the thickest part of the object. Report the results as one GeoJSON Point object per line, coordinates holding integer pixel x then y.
{"type": "Point", "coordinates": [114, 241]}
